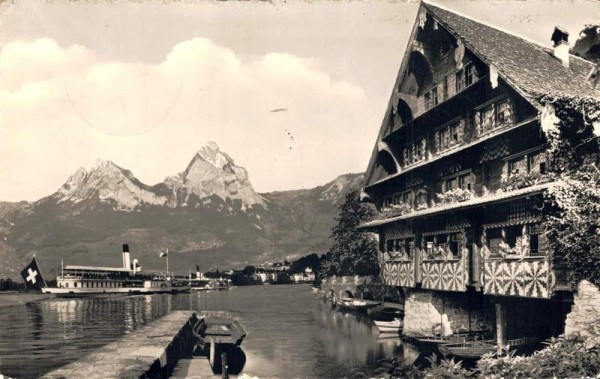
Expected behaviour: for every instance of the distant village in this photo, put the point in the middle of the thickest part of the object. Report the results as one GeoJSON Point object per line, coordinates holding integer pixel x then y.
{"type": "Point", "coordinates": [301, 271]}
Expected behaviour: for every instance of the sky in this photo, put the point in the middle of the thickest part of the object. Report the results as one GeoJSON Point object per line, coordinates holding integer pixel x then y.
{"type": "Point", "coordinates": [293, 91]}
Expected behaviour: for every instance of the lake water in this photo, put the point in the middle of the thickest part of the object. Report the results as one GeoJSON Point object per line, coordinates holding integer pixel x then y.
{"type": "Point", "coordinates": [291, 334]}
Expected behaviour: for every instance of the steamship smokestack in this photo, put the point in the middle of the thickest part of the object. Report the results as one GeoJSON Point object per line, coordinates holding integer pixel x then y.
{"type": "Point", "coordinates": [197, 272]}
{"type": "Point", "coordinates": [126, 257]}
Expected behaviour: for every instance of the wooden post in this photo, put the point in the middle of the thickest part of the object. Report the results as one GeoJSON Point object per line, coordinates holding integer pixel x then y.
{"type": "Point", "coordinates": [500, 326]}
{"type": "Point", "coordinates": [211, 355]}
{"type": "Point", "coordinates": [224, 366]}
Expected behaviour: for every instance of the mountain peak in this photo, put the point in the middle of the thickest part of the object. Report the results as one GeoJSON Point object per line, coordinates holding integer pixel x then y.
{"type": "Point", "coordinates": [104, 163]}
{"type": "Point", "coordinates": [107, 182]}
{"type": "Point", "coordinates": [213, 155]}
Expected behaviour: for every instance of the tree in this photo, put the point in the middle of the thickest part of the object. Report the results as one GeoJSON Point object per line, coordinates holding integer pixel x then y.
{"type": "Point", "coordinates": [353, 252]}
{"type": "Point", "coordinates": [298, 266]}
{"type": "Point", "coordinates": [572, 216]}
{"type": "Point", "coordinates": [249, 270]}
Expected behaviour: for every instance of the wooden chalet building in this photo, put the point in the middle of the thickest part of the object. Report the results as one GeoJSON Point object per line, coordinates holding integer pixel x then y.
{"type": "Point", "coordinates": [458, 173]}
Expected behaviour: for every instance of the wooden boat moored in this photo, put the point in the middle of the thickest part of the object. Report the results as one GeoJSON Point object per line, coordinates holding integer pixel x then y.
{"type": "Point", "coordinates": [384, 313]}
{"type": "Point", "coordinates": [350, 304]}
{"type": "Point", "coordinates": [394, 326]}
{"type": "Point", "coordinates": [468, 349]}
{"type": "Point", "coordinates": [475, 349]}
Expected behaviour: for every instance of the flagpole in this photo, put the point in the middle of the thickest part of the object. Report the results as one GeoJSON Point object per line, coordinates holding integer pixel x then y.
{"type": "Point", "coordinates": [167, 260]}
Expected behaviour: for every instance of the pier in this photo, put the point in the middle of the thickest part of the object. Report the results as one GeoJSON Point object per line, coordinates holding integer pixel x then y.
{"type": "Point", "coordinates": [154, 350]}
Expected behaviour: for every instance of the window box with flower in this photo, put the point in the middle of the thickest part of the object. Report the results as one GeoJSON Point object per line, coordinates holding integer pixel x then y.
{"type": "Point", "coordinates": [454, 196]}
{"type": "Point", "coordinates": [395, 210]}
{"type": "Point", "coordinates": [517, 181]}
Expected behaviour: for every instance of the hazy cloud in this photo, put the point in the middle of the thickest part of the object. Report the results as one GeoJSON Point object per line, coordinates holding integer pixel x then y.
{"type": "Point", "coordinates": [64, 106]}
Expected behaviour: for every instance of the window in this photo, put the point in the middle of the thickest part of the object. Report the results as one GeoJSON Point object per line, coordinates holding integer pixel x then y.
{"type": "Point", "coordinates": [429, 248]}
{"type": "Point", "coordinates": [537, 240]}
{"type": "Point", "coordinates": [431, 98]}
{"type": "Point", "coordinates": [533, 162]}
{"type": "Point", "coordinates": [397, 199]}
{"type": "Point", "coordinates": [422, 200]}
{"type": "Point", "coordinates": [537, 162]}
{"type": "Point", "coordinates": [494, 237]}
{"type": "Point", "coordinates": [455, 133]}
{"type": "Point", "coordinates": [445, 89]}
{"type": "Point", "coordinates": [428, 101]}
{"type": "Point", "coordinates": [449, 136]}
{"type": "Point", "coordinates": [406, 154]}
{"type": "Point", "coordinates": [518, 166]}
{"type": "Point", "coordinates": [400, 248]}
{"type": "Point", "coordinates": [460, 81]}
{"type": "Point", "coordinates": [469, 75]}
{"type": "Point", "coordinates": [514, 234]}
{"type": "Point", "coordinates": [504, 112]}
{"type": "Point", "coordinates": [493, 116]}
{"type": "Point", "coordinates": [389, 245]}
{"type": "Point", "coordinates": [418, 151]}
{"type": "Point", "coordinates": [454, 244]}
{"type": "Point", "coordinates": [465, 182]}
{"type": "Point", "coordinates": [451, 184]}
{"type": "Point", "coordinates": [488, 117]}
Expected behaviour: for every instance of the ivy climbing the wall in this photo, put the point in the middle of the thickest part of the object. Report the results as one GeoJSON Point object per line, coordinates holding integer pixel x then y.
{"type": "Point", "coordinates": [572, 215]}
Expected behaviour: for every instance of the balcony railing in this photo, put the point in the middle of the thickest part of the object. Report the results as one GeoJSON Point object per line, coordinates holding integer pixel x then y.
{"type": "Point", "coordinates": [399, 273]}
{"type": "Point", "coordinates": [524, 277]}
{"type": "Point", "coordinates": [450, 274]}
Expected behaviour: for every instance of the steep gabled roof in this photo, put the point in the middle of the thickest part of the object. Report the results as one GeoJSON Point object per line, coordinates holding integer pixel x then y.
{"type": "Point", "coordinates": [528, 67]}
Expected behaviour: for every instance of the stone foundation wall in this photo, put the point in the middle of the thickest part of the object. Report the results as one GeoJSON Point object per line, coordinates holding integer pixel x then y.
{"type": "Point", "coordinates": [426, 312]}
{"type": "Point", "coordinates": [583, 319]}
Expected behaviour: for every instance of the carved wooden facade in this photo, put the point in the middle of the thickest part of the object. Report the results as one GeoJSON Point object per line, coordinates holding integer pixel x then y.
{"type": "Point", "coordinates": [468, 146]}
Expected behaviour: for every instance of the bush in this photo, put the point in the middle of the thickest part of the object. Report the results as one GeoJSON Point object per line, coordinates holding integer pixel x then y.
{"type": "Point", "coordinates": [562, 358]}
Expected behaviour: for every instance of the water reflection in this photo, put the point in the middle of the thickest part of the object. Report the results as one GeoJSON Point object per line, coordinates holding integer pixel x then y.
{"type": "Point", "coordinates": [55, 332]}
{"type": "Point", "coordinates": [290, 333]}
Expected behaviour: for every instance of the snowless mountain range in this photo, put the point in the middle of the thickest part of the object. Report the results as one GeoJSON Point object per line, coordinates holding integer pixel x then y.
{"type": "Point", "coordinates": [211, 172]}
{"type": "Point", "coordinates": [209, 214]}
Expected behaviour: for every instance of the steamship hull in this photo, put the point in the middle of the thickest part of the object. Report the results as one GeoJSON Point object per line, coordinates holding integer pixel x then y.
{"type": "Point", "coordinates": [123, 291]}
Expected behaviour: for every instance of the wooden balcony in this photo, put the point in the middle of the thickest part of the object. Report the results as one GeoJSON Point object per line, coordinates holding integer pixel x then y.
{"type": "Point", "coordinates": [385, 218]}
{"type": "Point", "coordinates": [519, 276]}
{"type": "Point", "coordinates": [445, 275]}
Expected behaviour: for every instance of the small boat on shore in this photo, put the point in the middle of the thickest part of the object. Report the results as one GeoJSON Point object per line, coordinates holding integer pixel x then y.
{"type": "Point", "coordinates": [394, 326]}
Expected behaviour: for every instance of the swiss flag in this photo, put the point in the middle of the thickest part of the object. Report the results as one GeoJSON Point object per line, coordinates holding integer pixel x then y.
{"type": "Point", "coordinates": [33, 276]}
